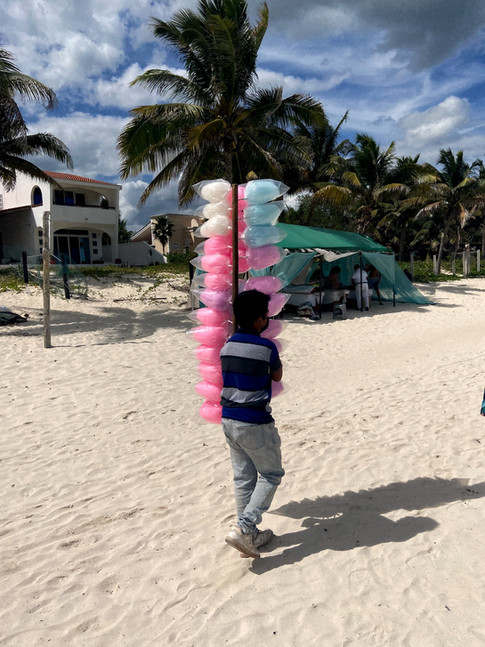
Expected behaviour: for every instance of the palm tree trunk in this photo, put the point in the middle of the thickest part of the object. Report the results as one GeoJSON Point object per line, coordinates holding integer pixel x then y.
{"type": "Point", "coordinates": [402, 240]}
{"type": "Point", "coordinates": [444, 235]}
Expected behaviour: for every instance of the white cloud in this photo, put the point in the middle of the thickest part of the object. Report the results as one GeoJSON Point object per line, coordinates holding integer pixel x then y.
{"type": "Point", "coordinates": [90, 138]}
{"type": "Point", "coordinates": [436, 123]}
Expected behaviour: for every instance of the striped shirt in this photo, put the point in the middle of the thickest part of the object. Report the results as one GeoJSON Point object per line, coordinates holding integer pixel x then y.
{"type": "Point", "coordinates": [247, 363]}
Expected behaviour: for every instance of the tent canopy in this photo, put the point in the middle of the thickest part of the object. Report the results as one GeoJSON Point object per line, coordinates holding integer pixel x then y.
{"type": "Point", "coordinates": [344, 249]}
{"type": "Point", "coordinates": [298, 237]}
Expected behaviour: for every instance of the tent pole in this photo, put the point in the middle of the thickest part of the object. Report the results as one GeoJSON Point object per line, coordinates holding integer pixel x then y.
{"type": "Point", "coordinates": [235, 246]}
{"type": "Point", "coordinates": [361, 288]}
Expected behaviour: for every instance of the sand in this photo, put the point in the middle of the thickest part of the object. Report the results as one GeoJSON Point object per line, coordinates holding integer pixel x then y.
{"type": "Point", "coordinates": [116, 496]}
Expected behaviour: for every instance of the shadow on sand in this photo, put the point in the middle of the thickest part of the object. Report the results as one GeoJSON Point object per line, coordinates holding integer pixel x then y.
{"type": "Point", "coordinates": [354, 519]}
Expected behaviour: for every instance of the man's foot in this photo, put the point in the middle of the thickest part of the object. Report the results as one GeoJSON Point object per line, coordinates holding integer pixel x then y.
{"type": "Point", "coordinates": [260, 538]}
{"type": "Point", "coordinates": [243, 543]}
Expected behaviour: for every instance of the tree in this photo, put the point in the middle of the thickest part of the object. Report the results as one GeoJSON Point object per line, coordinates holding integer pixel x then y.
{"type": "Point", "coordinates": [365, 182]}
{"type": "Point", "coordinates": [221, 125]}
{"type": "Point", "coordinates": [124, 234]}
{"type": "Point", "coordinates": [319, 139]}
{"type": "Point", "coordinates": [163, 230]}
{"type": "Point", "coordinates": [457, 192]}
{"type": "Point", "coordinates": [15, 142]}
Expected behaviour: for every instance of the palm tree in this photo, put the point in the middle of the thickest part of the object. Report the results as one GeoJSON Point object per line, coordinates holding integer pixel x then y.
{"type": "Point", "coordinates": [363, 182]}
{"type": "Point", "coordinates": [15, 142]}
{"type": "Point", "coordinates": [221, 125]}
{"type": "Point", "coordinates": [163, 230]}
{"type": "Point", "coordinates": [457, 193]}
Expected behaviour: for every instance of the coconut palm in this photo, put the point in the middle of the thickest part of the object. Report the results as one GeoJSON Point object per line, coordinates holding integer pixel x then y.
{"type": "Point", "coordinates": [457, 191]}
{"type": "Point", "coordinates": [15, 142]}
{"type": "Point", "coordinates": [220, 124]}
{"type": "Point", "coordinates": [163, 230]}
{"type": "Point", "coordinates": [364, 181]}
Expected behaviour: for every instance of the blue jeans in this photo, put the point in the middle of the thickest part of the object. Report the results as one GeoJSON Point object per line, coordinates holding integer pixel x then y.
{"type": "Point", "coordinates": [256, 463]}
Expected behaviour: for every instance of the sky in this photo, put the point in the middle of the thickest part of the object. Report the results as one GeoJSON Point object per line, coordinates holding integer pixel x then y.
{"type": "Point", "coordinates": [408, 71]}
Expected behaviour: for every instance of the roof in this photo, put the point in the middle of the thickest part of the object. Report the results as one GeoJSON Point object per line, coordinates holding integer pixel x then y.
{"type": "Point", "coordinates": [299, 237]}
{"type": "Point", "coordinates": [142, 233]}
{"type": "Point", "coordinates": [76, 178]}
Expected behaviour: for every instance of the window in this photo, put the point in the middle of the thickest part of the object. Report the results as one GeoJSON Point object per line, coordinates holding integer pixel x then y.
{"type": "Point", "coordinates": [37, 197]}
{"type": "Point", "coordinates": [68, 197]}
{"type": "Point", "coordinates": [80, 199]}
{"type": "Point", "coordinates": [58, 196]}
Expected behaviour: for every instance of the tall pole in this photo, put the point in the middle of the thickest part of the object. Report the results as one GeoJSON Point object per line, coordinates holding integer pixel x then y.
{"type": "Point", "coordinates": [46, 279]}
{"type": "Point", "coordinates": [235, 246]}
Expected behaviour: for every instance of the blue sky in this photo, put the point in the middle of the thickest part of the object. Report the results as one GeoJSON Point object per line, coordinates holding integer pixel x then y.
{"type": "Point", "coordinates": [408, 71]}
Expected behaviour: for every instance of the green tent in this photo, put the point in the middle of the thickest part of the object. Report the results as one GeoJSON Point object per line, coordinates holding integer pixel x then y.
{"type": "Point", "coordinates": [311, 248]}
{"type": "Point", "coordinates": [298, 237]}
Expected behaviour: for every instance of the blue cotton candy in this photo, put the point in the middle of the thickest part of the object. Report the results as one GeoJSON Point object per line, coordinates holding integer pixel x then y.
{"type": "Point", "coordinates": [265, 235]}
{"type": "Point", "coordinates": [263, 214]}
{"type": "Point", "coordinates": [261, 191]}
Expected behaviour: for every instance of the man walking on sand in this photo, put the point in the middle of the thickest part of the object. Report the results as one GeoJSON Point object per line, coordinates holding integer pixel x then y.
{"type": "Point", "coordinates": [249, 364]}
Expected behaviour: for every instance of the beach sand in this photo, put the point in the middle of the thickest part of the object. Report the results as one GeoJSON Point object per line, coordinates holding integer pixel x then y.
{"type": "Point", "coordinates": [116, 496]}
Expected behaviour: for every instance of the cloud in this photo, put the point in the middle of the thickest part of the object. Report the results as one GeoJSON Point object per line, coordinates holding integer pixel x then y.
{"type": "Point", "coordinates": [90, 138]}
{"type": "Point", "coordinates": [420, 34]}
{"type": "Point", "coordinates": [437, 123]}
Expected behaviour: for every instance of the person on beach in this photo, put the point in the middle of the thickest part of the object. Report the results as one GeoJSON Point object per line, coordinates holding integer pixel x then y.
{"type": "Point", "coordinates": [359, 280]}
{"type": "Point", "coordinates": [373, 280]}
{"type": "Point", "coordinates": [249, 364]}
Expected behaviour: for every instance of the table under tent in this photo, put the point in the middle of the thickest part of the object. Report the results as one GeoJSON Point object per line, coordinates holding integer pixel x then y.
{"type": "Point", "coordinates": [312, 252]}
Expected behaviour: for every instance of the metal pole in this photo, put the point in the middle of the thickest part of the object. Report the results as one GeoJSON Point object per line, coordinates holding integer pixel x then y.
{"type": "Point", "coordinates": [24, 266]}
{"type": "Point", "coordinates": [235, 246]}
{"type": "Point", "coordinates": [46, 279]}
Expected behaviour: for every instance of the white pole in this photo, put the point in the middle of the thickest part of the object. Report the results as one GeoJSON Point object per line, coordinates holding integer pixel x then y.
{"type": "Point", "coordinates": [46, 279]}
{"type": "Point", "coordinates": [464, 259]}
{"type": "Point", "coordinates": [478, 261]}
{"type": "Point", "coordinates": [435, 264]}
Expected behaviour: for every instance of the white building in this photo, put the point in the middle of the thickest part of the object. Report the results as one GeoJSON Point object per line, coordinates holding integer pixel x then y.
{"type": "Point", "coordinates": [84, 218]}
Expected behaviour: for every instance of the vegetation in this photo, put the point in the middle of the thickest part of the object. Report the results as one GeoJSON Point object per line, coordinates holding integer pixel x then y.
{"type": "Point", "coordinates": [11, 279]}
{"type": "Point", "coordinates": [163, 230]}
{"type": "Point", "coordinates": [220, 124]}
{"type": "Point", "coordinates": [15, 142]}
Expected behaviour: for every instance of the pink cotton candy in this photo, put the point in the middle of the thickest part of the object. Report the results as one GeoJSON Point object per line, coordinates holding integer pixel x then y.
{"type": "Point", "coordinates": [208, 354]}
{"type": "Point", "coordinates": [217, 299]}
{"type": "Point", "coordinates": [276, 389]}
{"type": "Point", "coordinates": [217, 281]}
{"type": "Point", "coordinates": [273, 330]}
{"type": "Point", "coordinates": [211, 412]}
{"type": "Point", "coordinates": [243, 265]}
{"type": "Point", "coordinates": [213, 336]}
{"type": "Point", "coordinates": [218, 245]}
{"type": "Point", "coordinates": [276, 303]}
{"type": "Point", "coordinates": [209, 391]}
{"type": "Point", "coordinates": [211, 373]}
{"type": "Point", "coordinates": [217, 263]}
{"type": "Point", "coordinates": [265, 284]}
{"type": "Point", "coordinates": [265, 256]}
{"type": "Point", "coordinates": [211, 317]}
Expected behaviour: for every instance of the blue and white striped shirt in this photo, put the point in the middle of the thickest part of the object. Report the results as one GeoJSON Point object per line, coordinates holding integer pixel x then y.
{"type": "Point", "coordinates": [247, 363]}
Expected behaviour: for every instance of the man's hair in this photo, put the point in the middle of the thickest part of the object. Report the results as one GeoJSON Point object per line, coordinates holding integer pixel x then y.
{"type": "Point", "coordinates": [249, 306]}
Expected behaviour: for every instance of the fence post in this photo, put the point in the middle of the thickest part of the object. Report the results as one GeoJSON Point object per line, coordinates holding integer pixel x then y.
{"type": "Point", "coordinates": [435, 264]}
{"type": "Point", "coordinates": [465, 269]}
{"type": "Point", "coordinates": [478, 261]}
{"type": "Point", "coordinates": [24, 266]}
{"type": "Point", "coordinates": [46, 279]}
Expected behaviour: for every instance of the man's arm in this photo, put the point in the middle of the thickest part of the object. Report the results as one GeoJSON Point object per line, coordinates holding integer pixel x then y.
{"type": "Point", "coordinates": [277, 375]}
